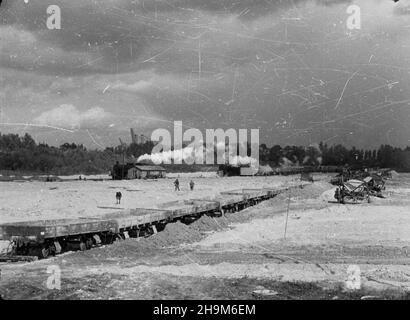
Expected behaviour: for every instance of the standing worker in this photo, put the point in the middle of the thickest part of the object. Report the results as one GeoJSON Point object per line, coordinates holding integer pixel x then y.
{"type": "Point", "coordinates": [118, 196]}
{"type": "Point", "coordinates": [176, 183]}
{"type": "Point", "coordinates": [191, 185]}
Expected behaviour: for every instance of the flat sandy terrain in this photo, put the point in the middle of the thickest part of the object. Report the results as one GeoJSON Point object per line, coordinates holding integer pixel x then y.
{"type": "Point", "coordinates": [243, 255]}
{"type": "Point", "coordinates": [21, 201]}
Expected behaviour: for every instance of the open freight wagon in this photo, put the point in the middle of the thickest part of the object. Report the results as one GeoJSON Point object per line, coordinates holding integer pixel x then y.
{"type": "Point", "coordinates": [45, 237]}
{"type": "Point", "coordinates": [50, 237]}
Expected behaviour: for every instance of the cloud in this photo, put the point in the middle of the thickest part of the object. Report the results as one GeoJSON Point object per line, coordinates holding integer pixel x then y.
{"type": "Point", "coordinates": [149, 81]}
{"type": "Point", "coordinates": [68, 116]}
{"type": "Point", "coordinates": [216, 63]}
{"type": "Point", "coordinates": [26, 50]}
{"type": "Point", "coordinates": [95, 37]}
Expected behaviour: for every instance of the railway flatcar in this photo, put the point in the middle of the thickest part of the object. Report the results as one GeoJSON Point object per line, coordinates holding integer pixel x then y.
{"type": "Point", "coordinates": [45, 237]}
{"type": "Point", "coordinates": [49, 237]}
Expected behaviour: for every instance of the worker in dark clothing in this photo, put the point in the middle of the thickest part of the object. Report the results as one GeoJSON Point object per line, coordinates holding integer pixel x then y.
{"type": "Point", "coordinates": [118, 196]}
{"type": "Point", "coordinates": [191, 185]}
{"type": "Point", "coordinates": [176, 183]}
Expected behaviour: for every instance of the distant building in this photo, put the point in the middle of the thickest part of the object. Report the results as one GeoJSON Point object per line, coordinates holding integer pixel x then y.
{"type": "Point", "coordinates": [137, 171]}
{"type": "Point", "coordinates": [138, 138]}
{"type": "Point", "coordinates": [146, 172]}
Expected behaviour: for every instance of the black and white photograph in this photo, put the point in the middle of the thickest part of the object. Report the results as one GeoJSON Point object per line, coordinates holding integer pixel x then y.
{"type": "Point", "coordinates": [229, 151]}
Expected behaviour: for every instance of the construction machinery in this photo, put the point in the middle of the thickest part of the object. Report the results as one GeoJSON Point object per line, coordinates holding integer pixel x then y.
{"type": "Point", "coordinates": [375, 185]}
{"type": "Point", "coordinates": [353, 191]}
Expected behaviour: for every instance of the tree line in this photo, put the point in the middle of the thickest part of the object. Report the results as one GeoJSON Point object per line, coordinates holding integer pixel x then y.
{"type": "Point", "coordinates": [385, 156]}
{"type": "Point", "coordinates": [23, 154]}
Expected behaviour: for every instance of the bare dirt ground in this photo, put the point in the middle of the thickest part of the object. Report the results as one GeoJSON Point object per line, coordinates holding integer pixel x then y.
{"type": "Point", "coordinates": [245, 255]}
{"type": "Point", "coordinates": [21, 201]}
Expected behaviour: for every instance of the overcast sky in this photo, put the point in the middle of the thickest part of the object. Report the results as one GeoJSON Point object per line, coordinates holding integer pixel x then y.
{"type": "Point", "coordinates": [291, 68]}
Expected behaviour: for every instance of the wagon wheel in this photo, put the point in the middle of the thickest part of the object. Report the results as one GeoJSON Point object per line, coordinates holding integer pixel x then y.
{"type": "Point", "coordinates": [89, 243]}
{"type": "Point", "coordinates": [45, 252]}
{"type": "Point", "coordinates": [52, 250]}
{"type": "Point", "coordinates": [83, 246]}
{"type": "Point", "coordinates": [12, 248]}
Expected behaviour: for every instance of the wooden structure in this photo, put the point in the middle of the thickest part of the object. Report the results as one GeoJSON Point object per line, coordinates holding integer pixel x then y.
{"type": "Point", "coordinates": [137, 171]}
{"type": "Point", "coordinates": [145, 172]}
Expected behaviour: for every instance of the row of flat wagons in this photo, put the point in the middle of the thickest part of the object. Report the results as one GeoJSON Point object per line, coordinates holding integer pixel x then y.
{"type": "Point", "coordinates": [40, 239]}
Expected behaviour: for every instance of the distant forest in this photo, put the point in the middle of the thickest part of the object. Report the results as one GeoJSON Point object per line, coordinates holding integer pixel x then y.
{"type": "Point", "coordinates": [23, 154]}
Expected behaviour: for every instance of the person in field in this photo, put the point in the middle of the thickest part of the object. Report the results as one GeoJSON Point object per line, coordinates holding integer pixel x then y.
{"type": "Point", "coordinates": [118, 196]}
{"type": "Point", "coordinates": [176, 184]}
{"type": "Point", "coordinates": [191, 185]}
